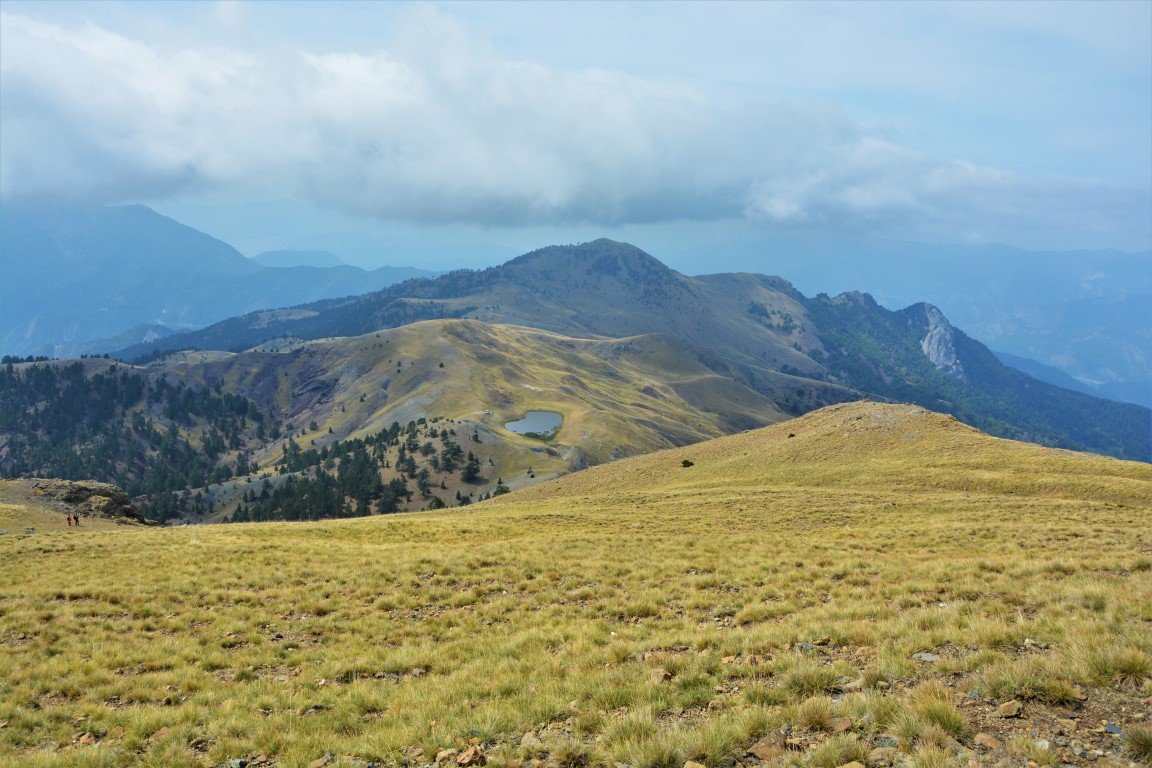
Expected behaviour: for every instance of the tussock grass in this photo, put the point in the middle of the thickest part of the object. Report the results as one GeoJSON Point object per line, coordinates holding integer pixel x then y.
{"type": "Point", "coordinates": [606, 613]}
{"type": "Point", "coordinates": [1138, 743]}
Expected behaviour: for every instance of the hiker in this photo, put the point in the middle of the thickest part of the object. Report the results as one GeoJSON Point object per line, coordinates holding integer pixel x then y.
{"type": "Point", "coordinates": [69, 519]}
{"type": "Point", "coordinates": [76, 520]}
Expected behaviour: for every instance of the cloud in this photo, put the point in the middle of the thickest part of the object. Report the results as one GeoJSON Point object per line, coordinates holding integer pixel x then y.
{"type": "Point", "coordinates": [438, 127]}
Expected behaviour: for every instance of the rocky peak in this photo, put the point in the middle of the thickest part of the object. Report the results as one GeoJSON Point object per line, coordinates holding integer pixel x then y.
{"type": "Point", "coordinates": [939, 343]}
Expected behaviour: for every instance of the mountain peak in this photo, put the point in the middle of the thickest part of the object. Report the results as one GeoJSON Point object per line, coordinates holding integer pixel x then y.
{"type": "Point", "coordinates": [602, 257]}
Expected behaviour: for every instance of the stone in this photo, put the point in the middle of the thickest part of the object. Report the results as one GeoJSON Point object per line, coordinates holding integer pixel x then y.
{"type": "Point", "coordinates": [320, 762]}
{"type": "Point", "coordinates": [471, 756]}
{"type": "Point", "coordinates": [531, 741]}
{"type": "Point", "coordinates": [767, 750]}
{"type": "Point", "coordinates": [853, 764]}
{"type": "Point", "coordinates": [693, 764]}
{"type": "Point", "coordinates": [1010, 709]}
{"type": "Point", "coordinates": [236, 762]}
{"type": "Point", "coordinates": [1066, 725]}
{"type": "Point", "coordinates": [660, 675]}
{"type": "Point", "coordinates": [445, 755]}
{"type": "Point", "coordinates": [987, 741]}
{"type": "Point", "coordinates": [880, 757]}
{"type": "Point", "coordinates": [840, 724]}
{"type": "Point", "coordinates": [926, 657]}
{"type": "Point", "coordinates": [853, 686]}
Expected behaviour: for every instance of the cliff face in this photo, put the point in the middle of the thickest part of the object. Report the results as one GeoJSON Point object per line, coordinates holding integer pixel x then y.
{"type": "Point", "coordinates": [939, 344]}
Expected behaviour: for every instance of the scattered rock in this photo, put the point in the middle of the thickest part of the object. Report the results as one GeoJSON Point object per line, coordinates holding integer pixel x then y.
{"type": "Point", "coordinates": [986, 741]}
{"type": "Point", "coordinates": [1010, 709]}
{"type": "Point", "coordinates": [767, 749]}
{"type": "Point", "coordinates": [924, 656]}
{"type": "Point", "coordinates": [320, 762]}
{"type": "Point", "coordinates": [660, 675]}
{"type": "Point", "coordinates": [840, 724]}
{"type": "Point", "coordinates": [853, 686]}
{"type": "Point", "coordinates": [1066, 725]}
{"type": "Point", "coordinates": [882, 756]}
{"type": "Point", "coordinates": [445, 755]}
{"type": "Point", "coordinates": [853, 764]}
{"type": "Point", "coordinates": [531, 742]}
{"type": "Point", "coordinates": [693, 764]}
{"type": "Point", "coordinates": [1113, 728]}
{"type": "Point", "coordinates": [236, 762]}
{"type": "Point", "coordinates": [471, 756]}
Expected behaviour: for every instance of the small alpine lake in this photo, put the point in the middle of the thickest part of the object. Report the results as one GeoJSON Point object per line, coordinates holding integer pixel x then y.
{"type": "Point", "coordinates": [540, 424]}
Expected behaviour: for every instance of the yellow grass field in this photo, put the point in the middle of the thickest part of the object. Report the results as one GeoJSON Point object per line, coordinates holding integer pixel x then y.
{"type": "Point", "coordinates": [867, 583]}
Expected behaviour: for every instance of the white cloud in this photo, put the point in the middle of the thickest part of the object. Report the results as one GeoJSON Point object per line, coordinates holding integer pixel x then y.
{"type": "Point", "coordinates": [437, 127]}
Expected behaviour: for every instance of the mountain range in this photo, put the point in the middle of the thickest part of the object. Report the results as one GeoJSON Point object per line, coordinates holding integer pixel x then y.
{"type": "Point", "coordinates": [1087, 313]}
{"type": "Point", "coordinates": [81, 279]}
{"type": "Point", "coordinates": [799, 353]}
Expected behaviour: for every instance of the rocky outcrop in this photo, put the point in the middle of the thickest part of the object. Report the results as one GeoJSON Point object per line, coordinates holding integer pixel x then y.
{"type": "Point", "coordinates": [939, 344]}
{"type": "Point", "coordinates": [88, 498]}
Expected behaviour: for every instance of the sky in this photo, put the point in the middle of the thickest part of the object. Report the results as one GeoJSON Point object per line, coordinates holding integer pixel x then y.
{"type": "Point", "coordinates": [446, 135]}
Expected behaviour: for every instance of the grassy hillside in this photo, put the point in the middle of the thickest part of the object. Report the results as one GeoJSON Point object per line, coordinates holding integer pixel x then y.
{"type": "Point", "coordinates": [618, 397]}
{"type": "Point", "coordinates": [865, 583]}
{"type": "Point", "coordinates": [21, 508]}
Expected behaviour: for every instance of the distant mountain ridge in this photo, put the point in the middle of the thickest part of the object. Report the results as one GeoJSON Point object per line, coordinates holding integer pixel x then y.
{"type": "Point", "coordinates": [798, 352]}
{"type": "Point", "coordinates": [295, 258]}
{"type": "Point", "coordinates": [78, 274]}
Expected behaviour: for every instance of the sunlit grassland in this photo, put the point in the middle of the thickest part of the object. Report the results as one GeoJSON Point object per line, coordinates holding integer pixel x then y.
{"type": "Point", "coordinates": [642, 613]}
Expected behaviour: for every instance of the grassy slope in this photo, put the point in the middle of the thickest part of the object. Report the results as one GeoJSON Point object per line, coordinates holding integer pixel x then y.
{"type": "Point", "coordinates": [618, 396]}
{"type": "Point", "coordinates": [639, 612]}
{"type": "Point", "coordinates": [21, 507]}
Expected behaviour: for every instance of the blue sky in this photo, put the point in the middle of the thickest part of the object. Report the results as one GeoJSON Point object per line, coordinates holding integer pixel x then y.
{"type": "Point", "coordinates": [456, 134]}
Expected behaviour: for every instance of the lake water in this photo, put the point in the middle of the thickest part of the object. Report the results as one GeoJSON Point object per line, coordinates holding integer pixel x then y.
{"type": "Point", "coordinates": [542, 423]}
